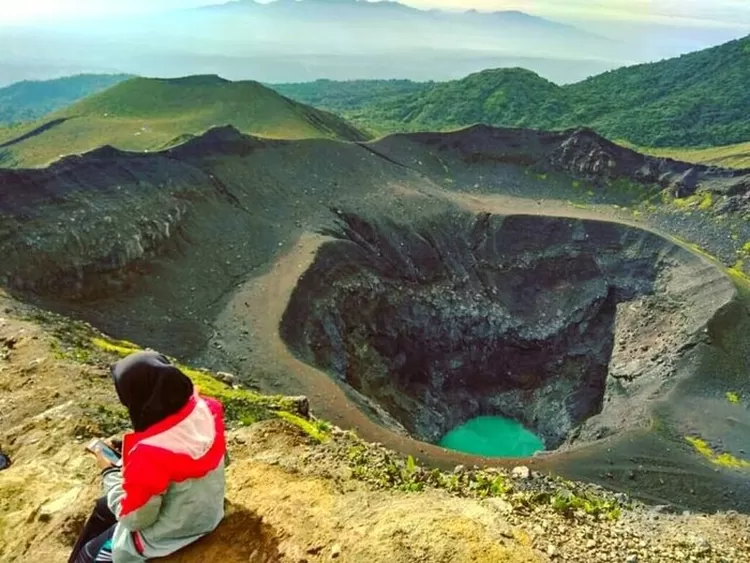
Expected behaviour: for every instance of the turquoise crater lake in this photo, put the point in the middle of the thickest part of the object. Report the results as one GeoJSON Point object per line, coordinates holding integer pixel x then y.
{"type": "Point", "coordinates": [492, 436]}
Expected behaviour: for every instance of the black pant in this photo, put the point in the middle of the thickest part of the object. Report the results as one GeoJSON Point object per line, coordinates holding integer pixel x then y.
{"type": "Point", "coordinates": [98, 529]}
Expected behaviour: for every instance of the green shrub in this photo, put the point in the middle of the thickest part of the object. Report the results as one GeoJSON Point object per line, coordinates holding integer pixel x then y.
{"type": "Point", "coordinates": [311, 429]}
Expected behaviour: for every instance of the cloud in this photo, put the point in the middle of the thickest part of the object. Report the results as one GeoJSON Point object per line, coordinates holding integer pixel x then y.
{"type": "Point", "coordinates": [705, 12]}
{"type": "Point", "coordinates": [729, 13]}
{"type": "Point", "coordinates": [52, 11]}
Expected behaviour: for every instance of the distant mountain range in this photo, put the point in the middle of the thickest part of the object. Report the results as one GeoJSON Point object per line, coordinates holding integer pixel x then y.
{"type": "Point", "coordinates": [387, 17]}
{"type": "Point", "coordinates": [291, 41]}
{"type": "Point", "coordinates": [697, 100]}
{"type": "Point", "coordinates": [700, 99]}
{"type": "Point", "coordinates": [145, 114]}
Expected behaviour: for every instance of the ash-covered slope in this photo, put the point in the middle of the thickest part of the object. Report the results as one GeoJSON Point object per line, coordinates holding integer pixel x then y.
{"type": "Point", "coordinates": [181, 226]}
{"type": "Point", "coordinates": [93, 225]}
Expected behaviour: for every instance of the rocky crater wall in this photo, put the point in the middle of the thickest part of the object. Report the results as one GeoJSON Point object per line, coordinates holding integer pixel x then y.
{"type": "Point", "coordinates": [564, 325]}
{"type": "Point", "coordinates": [581, 153]}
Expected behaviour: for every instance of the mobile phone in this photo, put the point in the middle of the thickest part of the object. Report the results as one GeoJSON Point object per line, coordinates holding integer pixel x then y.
{"type": "Point", "coordinates": [97, 445]}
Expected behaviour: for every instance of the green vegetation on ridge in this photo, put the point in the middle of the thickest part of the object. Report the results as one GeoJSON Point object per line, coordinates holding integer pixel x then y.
{"type": "Point", "coordinates": [31, 99]}
{"type": "Point", "coordinates": [730, 156]}
{"type": "Point", "coordinates": [145, 114]}
{"type": "Point", "coordinates": [513, 97]}
{"type": "Point", "coordinates": [696, 100]}
{"type": "Point", "coordinates": [348, 95]}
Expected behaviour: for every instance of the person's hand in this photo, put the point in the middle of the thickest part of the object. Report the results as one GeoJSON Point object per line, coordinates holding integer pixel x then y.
{"type": "Point", "coordinates": [102, 462]}
{"type": "Point", "coordinates": [115, 444]}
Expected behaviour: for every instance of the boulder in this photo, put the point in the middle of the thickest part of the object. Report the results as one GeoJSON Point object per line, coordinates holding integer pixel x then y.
{"type": "Point", "coordinates": [57, 505]}
{"type": "Point", "coordinates": [228, 378]}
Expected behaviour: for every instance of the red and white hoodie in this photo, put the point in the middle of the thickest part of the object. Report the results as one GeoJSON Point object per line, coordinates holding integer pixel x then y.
{"type": "Point", "coordinates": [170, 489]}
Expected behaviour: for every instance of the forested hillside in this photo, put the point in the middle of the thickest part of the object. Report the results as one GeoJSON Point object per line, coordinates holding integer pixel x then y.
{"type": "Point", "coordinates": [699, 99]}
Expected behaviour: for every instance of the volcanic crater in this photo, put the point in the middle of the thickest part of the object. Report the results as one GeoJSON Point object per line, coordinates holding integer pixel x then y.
{"type": "Point", "coordinates": [455, 280]}
{"type": "Point", "coordinates": [561, 324]}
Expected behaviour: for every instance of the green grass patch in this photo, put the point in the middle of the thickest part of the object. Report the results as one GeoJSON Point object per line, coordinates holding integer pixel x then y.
{"type": "Point", "coordinates": [730, 461]}
{"type": "Point", "coordinates": [697, 249]}
{"type": "Point", "coordinates": [628, 187]}
{"type": "Point", "coordinates": [317, 430]}
{"type": "Point", "coordinates": [120, 347]}
{"type": "Point", "coordinates": [706, 202]}
{"type": "Point", "coordinates": [386, 470]}
{"type": "Point", "coordinates": [741, 280]}
{"type": "Point", "coordinates": [568, 503]}
{"type": "Point", "coordinates": [72, 339]}
{"type": "Point", "coordinates": [728, 156]}
{"type": "Point", "coordinates": [724, 459]}
{"type": "Point", "coordinates": [703, 201]}
{"type": "Point", "coordinates": [578, 205]}
{"type": "Point", "coordinates": [701, 446]}
{"type": "Point", "coordinates": [75, 353]}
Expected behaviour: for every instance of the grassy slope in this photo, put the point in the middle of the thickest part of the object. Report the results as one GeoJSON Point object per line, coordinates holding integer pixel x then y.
{"type": "Point", "coordinates": [31, 99]}
{"type": "Point", "coordinates": [699, 99]}
{"type": "Point", "coordinates": [149, 114]}
{"type": "Point", "coordinates": [730, 156]}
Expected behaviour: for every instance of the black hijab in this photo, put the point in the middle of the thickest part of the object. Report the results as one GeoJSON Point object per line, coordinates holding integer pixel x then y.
{"type": "Point", "coordinates": [150, 387]}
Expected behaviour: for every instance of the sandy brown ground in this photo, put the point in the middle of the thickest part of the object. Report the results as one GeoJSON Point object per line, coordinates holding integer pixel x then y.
{"type": "Point", "coordinates": [279, 508]}
{"type": "Point", "coordinates": [289, 499]}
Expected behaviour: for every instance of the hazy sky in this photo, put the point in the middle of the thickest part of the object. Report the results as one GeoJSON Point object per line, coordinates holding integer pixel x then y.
{"type": "Point", "coordinates": [730, 13]}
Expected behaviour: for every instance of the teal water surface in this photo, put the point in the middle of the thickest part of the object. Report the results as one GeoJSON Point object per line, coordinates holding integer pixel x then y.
{"type": "Point", "coordinates": [492, 436]}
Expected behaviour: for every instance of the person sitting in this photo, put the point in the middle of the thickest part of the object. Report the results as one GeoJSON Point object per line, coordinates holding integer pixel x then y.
{"type": "Point", "coordinates": [167, 491]}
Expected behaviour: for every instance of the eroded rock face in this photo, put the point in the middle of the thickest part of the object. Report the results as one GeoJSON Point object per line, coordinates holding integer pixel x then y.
{"type": "Point", "coordinates": [461, 316]}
